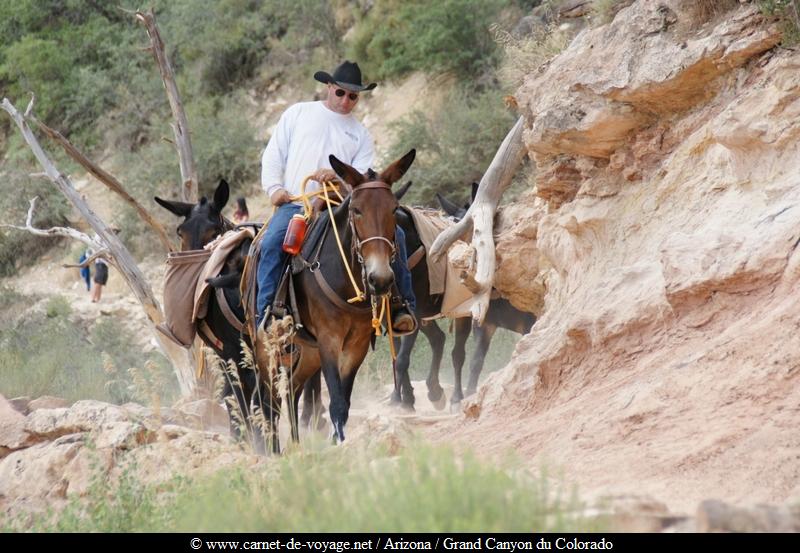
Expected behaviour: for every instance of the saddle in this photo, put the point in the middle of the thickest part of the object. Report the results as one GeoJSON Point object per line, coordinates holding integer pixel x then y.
{"type": "Point", "coordinates": [285, 302]}
{"type": "Point", "coordinates": [186, 291]}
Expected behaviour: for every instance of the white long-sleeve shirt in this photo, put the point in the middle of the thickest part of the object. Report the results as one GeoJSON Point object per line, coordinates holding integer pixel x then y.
{"type": "Point", "coordinates": [307, 133]}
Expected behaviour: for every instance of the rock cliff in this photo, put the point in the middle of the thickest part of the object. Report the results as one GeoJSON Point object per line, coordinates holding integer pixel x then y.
{"type": "Point", "coordinates": [660, 248]}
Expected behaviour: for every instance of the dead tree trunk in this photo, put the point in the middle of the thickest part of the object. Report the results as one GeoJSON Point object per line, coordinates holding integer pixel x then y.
{"type": "Point", "coordinates": [109, 180]}
{"type": "Point", "coordinates": [180, 128]}
{"type": "Point", "coordinates": [123, 261]}
{"type": "Point", "coordinates": [480, 218]}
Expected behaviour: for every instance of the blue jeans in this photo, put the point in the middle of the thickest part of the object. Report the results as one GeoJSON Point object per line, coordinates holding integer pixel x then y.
{"type": "Point", "coordinates": [273, 258]}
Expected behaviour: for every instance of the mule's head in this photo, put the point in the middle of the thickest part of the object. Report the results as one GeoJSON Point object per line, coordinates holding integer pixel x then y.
{"type": "Point", "coordinates": [453, 209]}
{"type": "Point", "coordinates": [202, 221]}
{"type": "Point", "coordinates": [371, 213]}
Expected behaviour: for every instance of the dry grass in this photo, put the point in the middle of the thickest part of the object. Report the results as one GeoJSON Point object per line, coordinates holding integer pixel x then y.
{"type": "Point", "coordinates": [703, 10]}
{"type": "Point", "coordinates": [523, 56]}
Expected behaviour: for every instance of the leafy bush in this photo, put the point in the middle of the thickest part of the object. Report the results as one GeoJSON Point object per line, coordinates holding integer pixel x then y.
{"type": "Point", "coordinates": [788, 12]}
{"type": "Point", "coordinates": [450, 35]}
{"type": "Point", "coordinates": [57, 307]}
{"type": "Point", "coordinates": [454, 147]}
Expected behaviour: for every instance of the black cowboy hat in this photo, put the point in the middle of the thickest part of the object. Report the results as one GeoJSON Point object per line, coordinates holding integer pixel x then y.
{"type": "Point", "coordinates": [347, 76]}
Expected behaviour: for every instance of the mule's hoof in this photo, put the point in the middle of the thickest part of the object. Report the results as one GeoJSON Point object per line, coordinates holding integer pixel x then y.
{"type": "Point", "coordinates": [402, 407]}
{"type": "Point", "coordinates": [455, 406]}
{"type": "Point", "coordinates": [440, 402]}
{"type": "Point", "coordinates": [435, 394]}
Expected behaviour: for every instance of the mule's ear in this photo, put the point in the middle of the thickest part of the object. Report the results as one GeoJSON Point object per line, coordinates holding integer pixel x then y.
{"type": "Point", "coordinates": [403, 189]}
{"type": "Point", "coordinates": [348, 174]}
{"type": "Point", "coordinates": [396, 170]}
{"type": "Point", "coordinates": [449, 207]}
{"type": "Point", "coordinates": [180, 209]}
{"type": "Point", "coordinates": [475, 186]}
{"type": "Point", "coordinates": [221, 194]}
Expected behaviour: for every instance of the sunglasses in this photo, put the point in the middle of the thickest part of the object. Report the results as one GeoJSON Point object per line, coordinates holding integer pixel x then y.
{"type": "Point", "coordinates": [341, 92]}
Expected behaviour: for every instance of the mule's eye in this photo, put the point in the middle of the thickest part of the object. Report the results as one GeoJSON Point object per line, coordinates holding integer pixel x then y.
{"type": "Point", "coordinates": [356, 212]}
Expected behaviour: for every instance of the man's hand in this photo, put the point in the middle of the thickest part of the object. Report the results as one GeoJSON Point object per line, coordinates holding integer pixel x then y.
{"type": "Point", "coordinates": [317, 205]}
{"type": "Point", "coordinates": [323, 175]}
{"type": "Point", "coordinates": [280, 197]}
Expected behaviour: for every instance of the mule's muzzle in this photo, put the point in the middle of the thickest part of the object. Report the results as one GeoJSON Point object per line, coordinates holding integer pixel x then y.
{"type": "Point", "coordinates": [380, 283]}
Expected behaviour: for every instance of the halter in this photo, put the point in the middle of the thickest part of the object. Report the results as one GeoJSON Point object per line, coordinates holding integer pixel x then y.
{"type": "Point", "coordinates": [358, 243]}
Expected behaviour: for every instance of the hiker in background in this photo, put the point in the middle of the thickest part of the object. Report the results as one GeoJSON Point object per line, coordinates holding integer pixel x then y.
{"type": "Point", "coordinates": [100, 278]}
{"type": "Point", "coordinates": [86, 272]}
{"type": "Point", "coordinates": [242, 214]}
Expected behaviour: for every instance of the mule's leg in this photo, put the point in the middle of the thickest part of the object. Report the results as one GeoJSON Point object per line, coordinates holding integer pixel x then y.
{"type": "Point", "coordinates": [264, 421]}
{"type": "Point", "coordinates": [347, 388]}
{"type": "Point", "coordinates": [483, 339]}
{"type": "Point", "coordinates": [295, 406]}
{"type": "Point", "coordinates": [338, 405]}
{"type": "Point", "coordinates": [241, 385]}
{"type": "Point", "coordinates": [459, 353]}
{"type": "Point", "coordinates": [403, 391]}
{"type": "Point", "coordinates": [436, 338]}
{"type": "Point", "coordinates": [312, 403]}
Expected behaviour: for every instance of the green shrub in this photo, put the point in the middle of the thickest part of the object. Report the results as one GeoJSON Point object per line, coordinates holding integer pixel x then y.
{"type": "Point", "coordinates": [455, 147]}
{"type": "Point", "coordinates": [788, 13]}
{"type": "Point", "coordinates": [451, 35]}
{"type": "Point", "coordinates": [57, 307]}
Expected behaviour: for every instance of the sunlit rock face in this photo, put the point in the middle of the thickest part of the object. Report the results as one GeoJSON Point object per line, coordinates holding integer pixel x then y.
{"type": "Point", "coordinates": [658, 248]}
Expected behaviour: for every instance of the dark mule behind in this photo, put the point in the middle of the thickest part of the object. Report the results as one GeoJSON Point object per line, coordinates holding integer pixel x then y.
{"type": "Point", "coordinates": [501, 314]}
{"type": "Point", "coordinates": [202, 222]}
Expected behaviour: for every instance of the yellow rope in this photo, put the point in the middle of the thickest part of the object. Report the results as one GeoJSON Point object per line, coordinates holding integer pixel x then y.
{"type": "Point", "coordinates": [359, 294]}
{"type": "Point", "coordinates": [377, 318]}
{"type": "Point", "coordinates": [306, 196]}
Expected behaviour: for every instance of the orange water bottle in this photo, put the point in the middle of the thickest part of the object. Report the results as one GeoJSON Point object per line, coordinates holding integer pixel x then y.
{"type": "Point", "coordinates": [295, 234]}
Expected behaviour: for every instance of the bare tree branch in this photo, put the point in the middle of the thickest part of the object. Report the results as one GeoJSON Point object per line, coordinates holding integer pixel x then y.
{"type": "Point", "coordinates": [29, 109]}
{"type": "Point", "coordinates": [53, 231]}
{"type": "Point", "coordinates": [181, 359]}
{"type": "Point", "coordinates": [181, 126]}
{"type": "Point", "coordinates": [109, 180]}
{"type": "Point", "coordinates": [480, 217]}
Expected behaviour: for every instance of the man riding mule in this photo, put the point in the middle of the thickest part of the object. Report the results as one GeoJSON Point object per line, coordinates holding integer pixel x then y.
{"type": "Point", "coordinates": [307, 133]}
{"type": "Point", "coordinates": [336, 334]}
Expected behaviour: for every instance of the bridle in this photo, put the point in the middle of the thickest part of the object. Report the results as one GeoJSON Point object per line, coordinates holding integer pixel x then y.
{"type": "Point", "coordinates": [358, 243]}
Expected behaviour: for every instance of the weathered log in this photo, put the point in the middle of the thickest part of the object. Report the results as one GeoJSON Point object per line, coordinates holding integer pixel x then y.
{"type": "Point", "coordinates": [107, 239]}
{"type": "Point", "coordinates": [480, 217]}
{"type": "Point", "coordinates": [109, 180]}
{"type": "Point", "coordinates": [180, 128]}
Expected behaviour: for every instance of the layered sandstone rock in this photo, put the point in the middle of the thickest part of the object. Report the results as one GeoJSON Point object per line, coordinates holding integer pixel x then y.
{"type": "Point", "coordinates": [662, 248]}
